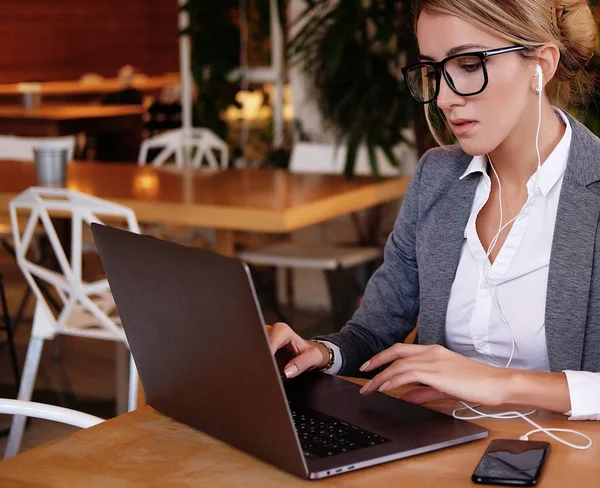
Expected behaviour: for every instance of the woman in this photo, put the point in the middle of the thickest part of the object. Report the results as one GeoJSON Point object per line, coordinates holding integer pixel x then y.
{"type": "Point", "coordinates": [492, 251]}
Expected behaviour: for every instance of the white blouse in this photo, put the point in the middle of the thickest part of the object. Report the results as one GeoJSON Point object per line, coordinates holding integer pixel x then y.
{"type": "Point", "coordinates": [519, 279]}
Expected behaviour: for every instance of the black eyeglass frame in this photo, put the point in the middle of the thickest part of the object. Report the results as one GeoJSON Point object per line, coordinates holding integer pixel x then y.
{"type": "Point", "coordinates": [440, 67]}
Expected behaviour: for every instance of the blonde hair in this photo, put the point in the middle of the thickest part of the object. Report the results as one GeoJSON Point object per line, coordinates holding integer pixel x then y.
{"type": "Point", "coordinates": [569, 24]}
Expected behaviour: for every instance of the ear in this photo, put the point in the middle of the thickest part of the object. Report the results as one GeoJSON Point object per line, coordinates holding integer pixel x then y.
{"type": "Point", "coordinates": [547, 57]}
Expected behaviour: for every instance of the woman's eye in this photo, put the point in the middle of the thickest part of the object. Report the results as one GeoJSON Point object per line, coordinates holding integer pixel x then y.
{"type": "Point", "coordinates": [470, 68]}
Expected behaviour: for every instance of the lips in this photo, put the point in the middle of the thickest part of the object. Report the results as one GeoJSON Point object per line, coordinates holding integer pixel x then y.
{"type": "Point", "coordinates": [461, 127]}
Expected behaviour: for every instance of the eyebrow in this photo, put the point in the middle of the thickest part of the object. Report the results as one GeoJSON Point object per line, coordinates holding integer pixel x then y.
{"type": "Point", "coordinates": [456, 50]}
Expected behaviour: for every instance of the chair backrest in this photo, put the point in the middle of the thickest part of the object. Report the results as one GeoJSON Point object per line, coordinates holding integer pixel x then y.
{"type": "Point", "coordinates": [48, 412]}
{"type": "Point", "coordinates": [200, 143]}
{"type": "Point", "coordinates": [87, 308]}
{"type": "Point", "coordinates": [310, 157]}
{"type": "Point", "coordinates": [21, 148]}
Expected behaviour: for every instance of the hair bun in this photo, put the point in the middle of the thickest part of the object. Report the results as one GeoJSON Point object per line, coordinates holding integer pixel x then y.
{"type": "Point", "coordinates": [577, 30]}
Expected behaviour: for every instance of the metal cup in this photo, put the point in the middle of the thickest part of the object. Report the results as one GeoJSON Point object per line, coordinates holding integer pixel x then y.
{"type": "Point", "coordinates": [31, 101]}
{"type": "Point", "coordinates": [31, 95]}
{"type": "Point", "coordinates": [50, 165]}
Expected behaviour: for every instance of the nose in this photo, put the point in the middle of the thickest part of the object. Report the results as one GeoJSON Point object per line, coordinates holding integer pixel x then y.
{"type": "Point", "coordinates": [446, 98]}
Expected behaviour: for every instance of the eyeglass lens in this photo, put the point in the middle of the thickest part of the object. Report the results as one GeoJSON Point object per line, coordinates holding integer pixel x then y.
{"type": "Point", "coordinates": [465, 75]}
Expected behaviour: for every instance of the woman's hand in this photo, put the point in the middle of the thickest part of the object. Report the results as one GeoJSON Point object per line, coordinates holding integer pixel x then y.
{"type": "Point", "coordinates": [308, 354]}
{"type": "Point", "coordinates": [447, 373]}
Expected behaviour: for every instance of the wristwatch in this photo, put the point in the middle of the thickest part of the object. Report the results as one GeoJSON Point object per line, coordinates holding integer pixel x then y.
{"type": "Point", "coordinates": [329, 364]}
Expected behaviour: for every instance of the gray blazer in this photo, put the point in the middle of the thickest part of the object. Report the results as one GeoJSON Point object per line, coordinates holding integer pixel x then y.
{"type": "Point", "coordinates": [422, 254]}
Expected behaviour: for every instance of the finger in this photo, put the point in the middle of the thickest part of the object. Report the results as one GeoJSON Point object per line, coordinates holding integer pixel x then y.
{"type": "Point", "coordinates": [280, 335]}
{"type": "Point", "coordinates": [397, 351]}
{"type": "Point", "coordinates": [412, 376]}
{"type": "Point", "coordinates": [309, 359]}
{"type": "Point", "coordinates": [416, 375]}
{"type": "Point", "coordinates": [425, 395]}
{"type": "Point", "coordinates": [276, 325]}
{"type": "Point", "coordinates": [399, 367]}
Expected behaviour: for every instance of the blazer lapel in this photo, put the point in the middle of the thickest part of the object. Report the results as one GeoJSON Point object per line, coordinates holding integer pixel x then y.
{"type": "Point", "coordinates": [445, 240]}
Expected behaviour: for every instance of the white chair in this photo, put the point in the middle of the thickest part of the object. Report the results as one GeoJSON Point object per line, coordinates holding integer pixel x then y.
{"type": "Point", "coordinates": [21, 148]}
{"type": "Point", "coordinates": [46, 412]}
{"type": "Point", "coordinates": [88, 309]}
{"type": "Point", "coordinates": [327, 257]}
{"type": "Point", "coordinates": [199, 143]}
{"type": "Point", "coordinates": [175, 142]}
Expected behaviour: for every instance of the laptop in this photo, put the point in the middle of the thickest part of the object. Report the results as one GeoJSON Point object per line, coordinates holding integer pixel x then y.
{"type": "Point", "coordinates": [197, 336]}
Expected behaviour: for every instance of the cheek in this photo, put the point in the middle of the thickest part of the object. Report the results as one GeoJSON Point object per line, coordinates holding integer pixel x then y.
{"type": "Point", "coordinates": [506, 94]}
{"type": "Point", "coordinates": [498, 109]}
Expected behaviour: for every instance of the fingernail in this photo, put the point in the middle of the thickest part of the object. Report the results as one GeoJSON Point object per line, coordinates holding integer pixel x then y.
{"type": "Point", "coordinates": [365, 366]}
{"type": "Point", "coordinates": [291, 371]}
{"type": "Point", "coordinates": [365, 388]}
{"type": "Point", "coordinates": [384, 386]}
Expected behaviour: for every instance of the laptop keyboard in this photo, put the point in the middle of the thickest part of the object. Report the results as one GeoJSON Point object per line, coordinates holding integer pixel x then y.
{"type": "Point", "coordinates": [322, 436]}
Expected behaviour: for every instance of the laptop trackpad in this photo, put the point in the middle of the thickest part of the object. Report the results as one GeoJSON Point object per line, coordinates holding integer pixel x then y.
{"type": "Point", "coordinates": [314, 385]}
{"type": "Point", "coordinates": [341, 399]}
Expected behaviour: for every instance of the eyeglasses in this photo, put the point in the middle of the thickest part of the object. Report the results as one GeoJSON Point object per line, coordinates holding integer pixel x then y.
{"type": "Point", "coordinates": [465, 74]}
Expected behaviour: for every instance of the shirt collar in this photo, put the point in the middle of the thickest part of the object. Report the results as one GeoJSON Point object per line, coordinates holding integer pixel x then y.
{"type": "Point", "coordinates": [550, 171]}
{"type": "Point", "coordinates": [478, 165]}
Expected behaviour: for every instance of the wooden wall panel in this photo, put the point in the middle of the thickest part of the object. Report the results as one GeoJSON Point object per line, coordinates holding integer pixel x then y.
{"type": "Point", "coordinates": [63, 39]}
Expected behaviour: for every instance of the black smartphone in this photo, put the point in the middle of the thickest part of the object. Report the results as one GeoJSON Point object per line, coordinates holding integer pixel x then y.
{"type": "Point", "coordinates": [511, 462]}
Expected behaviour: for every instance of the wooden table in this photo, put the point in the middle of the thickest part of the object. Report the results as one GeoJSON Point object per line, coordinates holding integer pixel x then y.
{"type": "Point", "coordinates": [75, 88]}
{"type": "Point", "coordinates": [146, 449]}
{"type": "Point", "coordinates": [244, 200]}
{"type": "Point", "coordinates": [66, 118]}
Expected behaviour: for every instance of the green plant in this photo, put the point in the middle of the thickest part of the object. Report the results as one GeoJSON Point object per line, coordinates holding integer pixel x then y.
{"type": "Point", "coordinates": [214, 30]}
{"type": "Point", "coordinates": [215, 39]}
{"type": "Point", "coordinates": [353, 51]}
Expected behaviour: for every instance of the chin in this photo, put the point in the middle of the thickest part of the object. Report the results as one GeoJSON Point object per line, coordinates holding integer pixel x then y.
{"type": "Point", "coordinates": [475, 147]}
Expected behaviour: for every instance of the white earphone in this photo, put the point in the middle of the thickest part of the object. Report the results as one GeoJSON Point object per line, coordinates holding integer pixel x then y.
{"type": "Point", "coordinates": [502, 226]}
{"type": "Point", "coordinates": [515, 414]}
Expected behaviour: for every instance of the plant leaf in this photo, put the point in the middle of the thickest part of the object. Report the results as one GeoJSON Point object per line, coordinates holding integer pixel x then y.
{"type": "Point", "coordinates": [353, 145]}
{"type": "Point", "coordinates": [390, 156]}
{"type": "Point", "coordinates": [373, 159]}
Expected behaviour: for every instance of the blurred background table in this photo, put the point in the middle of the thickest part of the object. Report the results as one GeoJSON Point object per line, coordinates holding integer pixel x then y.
{"type": "Point", "coordinates": [77, 90]}
{"type": "Point", "coordinates": [259, 200]}
{"type": "Point", "coordinates": [66, 119]}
